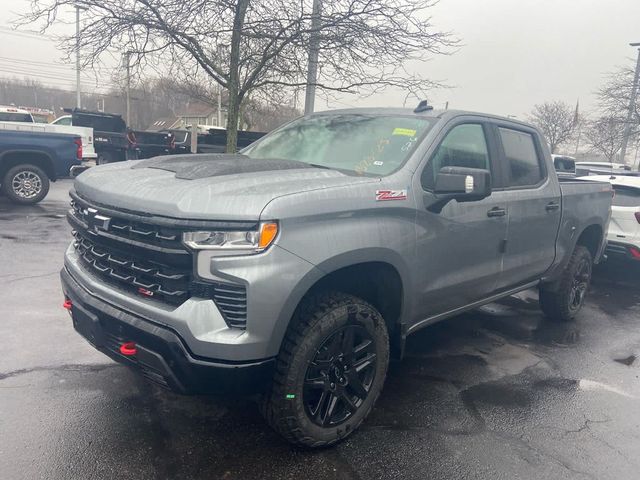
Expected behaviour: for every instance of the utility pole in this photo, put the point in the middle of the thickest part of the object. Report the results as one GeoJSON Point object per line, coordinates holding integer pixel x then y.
{"type": "Point", "coordinates": [312, 72]}
{"type": "Point", "coordinates": [219, 105]}
{"type": "Point", "coordinates": [194, 137]}
{"type": "Point", "coordinates": [128, 86]}
{"type": "Point", "coordinates": [78, 99]}
{"type": "Point", "coordinates": [632, 107]}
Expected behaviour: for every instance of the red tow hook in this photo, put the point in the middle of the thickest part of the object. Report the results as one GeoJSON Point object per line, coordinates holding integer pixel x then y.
{"type": "Point", "coordinates": [67, 305]}
{"type": "Point", "coordinates": [128, 349]}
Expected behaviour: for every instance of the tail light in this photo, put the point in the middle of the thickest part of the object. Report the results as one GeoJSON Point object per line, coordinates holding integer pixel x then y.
{"type": "Point", "coordinates": [637, 215]}
{"type": "Point", "coordinates": [635, 253]}
{"type": "Point", "coordinates": [78, 143]}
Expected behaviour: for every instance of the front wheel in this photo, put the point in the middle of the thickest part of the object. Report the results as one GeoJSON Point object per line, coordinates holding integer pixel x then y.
{"type": "Point", "coordinates": [562, 301]}
{"type": "Point", "coordinates": [330, 370]}
{"type": "Point", "coordinates": [25, 184]}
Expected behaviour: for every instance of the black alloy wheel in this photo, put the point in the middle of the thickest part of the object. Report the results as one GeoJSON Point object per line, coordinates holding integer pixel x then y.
{"type": "Point", "coordinates": [339, 377]}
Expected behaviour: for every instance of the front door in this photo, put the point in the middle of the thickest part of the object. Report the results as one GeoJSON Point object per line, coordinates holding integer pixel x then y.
{"type": "Point", "coordinates": [459, 250]}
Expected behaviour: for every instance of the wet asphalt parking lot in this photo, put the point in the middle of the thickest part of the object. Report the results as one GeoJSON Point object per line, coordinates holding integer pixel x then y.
{"type": "Point", "coordinates": [496, 393]}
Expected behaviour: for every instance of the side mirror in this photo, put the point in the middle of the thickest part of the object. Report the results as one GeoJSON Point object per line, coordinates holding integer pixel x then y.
{"type": "Point", "coordinates": [461, 184]}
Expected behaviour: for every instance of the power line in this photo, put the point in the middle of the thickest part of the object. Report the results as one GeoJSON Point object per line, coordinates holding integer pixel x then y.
{"type": "Point", "coordinates": [47, 76]}
{"type": "Point", "coordinates": [26, 34]}
{"type": "Point", "coordinates": [66, 66]}
{"type": "Point", "coordinates": [41, 72]}
{"type": "Point", "coordinates": [95, 94]}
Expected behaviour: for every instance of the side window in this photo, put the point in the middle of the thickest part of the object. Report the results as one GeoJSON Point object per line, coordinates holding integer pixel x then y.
{"type": "Point", "coordinates": [520, 152]}
{"type": "Point", "coordinates": [464, 146]}
{"type": "Point", "coordinates": [63, 121]}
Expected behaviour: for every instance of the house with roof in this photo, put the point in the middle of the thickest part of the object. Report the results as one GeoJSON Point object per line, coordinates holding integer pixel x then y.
{"type": "Point", "coordinates": [194, 113]}
{"type": "Point", "coordinates": [164, 123]}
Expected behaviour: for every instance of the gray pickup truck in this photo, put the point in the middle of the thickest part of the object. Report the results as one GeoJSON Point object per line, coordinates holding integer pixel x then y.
{"type": "Point", "coordinates": [298, 267]}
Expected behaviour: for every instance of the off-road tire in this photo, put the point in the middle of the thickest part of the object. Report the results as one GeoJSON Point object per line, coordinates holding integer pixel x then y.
{"type": "Point", "coordinates": [23, 197]}
{"type": "Point", "coordinates": [558, 300]}
{"type": "Point", "coordinates": [319, 318]}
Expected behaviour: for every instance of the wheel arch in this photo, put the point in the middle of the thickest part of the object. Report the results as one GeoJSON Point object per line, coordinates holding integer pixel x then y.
{"type": "Point", "coordinates": [375, 277]}
{"type": "Point", "coordinates": [591, 238]}
{"type": "Point", "coordinates": [38, 158]}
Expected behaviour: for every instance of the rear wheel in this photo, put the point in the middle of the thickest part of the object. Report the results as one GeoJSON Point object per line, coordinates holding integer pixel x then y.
{"type": "Point", "coordinates": [25, 184]}
{"type": "Point", "coordinates": [105, 158]}
{"type": "Point", "coordinates": [563, 300]}
{"type": "Point", "coordinates": [330, 371]}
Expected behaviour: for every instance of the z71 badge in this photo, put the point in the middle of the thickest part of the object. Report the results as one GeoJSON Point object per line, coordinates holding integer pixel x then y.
{"type": "Point", "coordinates": [384, 195]}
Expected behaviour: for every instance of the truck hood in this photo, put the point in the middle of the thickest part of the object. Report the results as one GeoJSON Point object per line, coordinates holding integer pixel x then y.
{"type": "Point", "coordinates": [204, 187]}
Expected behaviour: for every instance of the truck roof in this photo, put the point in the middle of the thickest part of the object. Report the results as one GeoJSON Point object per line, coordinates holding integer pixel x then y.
{"type": "Point", "coordinates": [10, 109]}
{"type": "Point", "coordinates": [431, 113]}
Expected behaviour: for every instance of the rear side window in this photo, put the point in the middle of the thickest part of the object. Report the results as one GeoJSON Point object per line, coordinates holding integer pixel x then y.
{"type": "Point", "coordinates": [626, 197]}
{"type": "Point", "coordinates": [520, 152]}
{"type": "Point", "coordinates": [464, 146]}
{"type": "Point", "coordinates": [15, 117]}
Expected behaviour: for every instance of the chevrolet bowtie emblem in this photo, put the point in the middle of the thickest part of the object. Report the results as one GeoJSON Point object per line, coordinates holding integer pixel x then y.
{"type": "Point", "coordinates": [95, 221]}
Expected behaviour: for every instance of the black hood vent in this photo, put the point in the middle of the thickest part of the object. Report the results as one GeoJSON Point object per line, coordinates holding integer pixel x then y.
{"type": "Point", "coordinates": [194, 167]}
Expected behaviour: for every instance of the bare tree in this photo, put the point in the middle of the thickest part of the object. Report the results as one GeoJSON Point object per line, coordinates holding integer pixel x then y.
{"type": "Point", "coordinates": [250, 45]}
{"type": "Point", "coordinates": [614, 98]}
{"type": "Point", "coordinates": [604, 135]}
{"type": "Point", "coordinates": [615, 94]}
{"type": "Point", "coordinates": [557, 120]}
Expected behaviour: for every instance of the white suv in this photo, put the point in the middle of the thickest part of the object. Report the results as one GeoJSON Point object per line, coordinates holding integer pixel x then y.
{"type": "Point", "coordinates": [624, 230]}
{"type": "Point", "coordinates": [14, 114]}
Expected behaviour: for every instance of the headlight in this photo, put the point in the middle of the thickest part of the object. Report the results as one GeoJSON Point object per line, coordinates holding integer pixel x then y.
{"type": "Point", "coordinates": [234, 242]}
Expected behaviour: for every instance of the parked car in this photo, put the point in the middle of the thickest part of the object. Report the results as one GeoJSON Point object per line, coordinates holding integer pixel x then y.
{"type": "Point", "coordinates": [13, 114]}
{"type": "Point", "coordinates": [110, 138]}
{"type": "Point", "coordinates": [299, 266]}
{"type": "Point", "coordinates": [564, 164]}
{"type": "Point", "coordinates": [152, 144]}
{"type": "Point", "coordinates": [213, 141]}
{"type": "Point", "coordinates": [29, 160]}
{"type": "Point", "coordinates": [623, 236]}
{"type": "Point", "coordinates": [114, 142]}
{"type": "Point", "coordinates": [86, 134]}
{"type": "Point", "coordinates": [583, 169]}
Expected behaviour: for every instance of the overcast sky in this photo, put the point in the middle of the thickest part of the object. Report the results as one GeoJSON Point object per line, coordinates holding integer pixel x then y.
{"type": "Point", "coordinates": [514, 53]}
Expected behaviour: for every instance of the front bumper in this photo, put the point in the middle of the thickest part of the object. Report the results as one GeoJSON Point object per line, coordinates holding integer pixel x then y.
{"type": "Point", "coordinates": [162, 356]}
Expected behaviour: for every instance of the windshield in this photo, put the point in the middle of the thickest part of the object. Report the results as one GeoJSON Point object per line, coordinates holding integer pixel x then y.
{"type": "Point", "coordinates": [365, 144]}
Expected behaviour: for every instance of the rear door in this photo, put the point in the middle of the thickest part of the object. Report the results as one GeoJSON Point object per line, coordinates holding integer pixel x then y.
{"type": "Point", "coordinates": [534, 203]}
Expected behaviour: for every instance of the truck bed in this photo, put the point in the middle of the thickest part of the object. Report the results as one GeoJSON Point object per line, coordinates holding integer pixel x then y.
{"type": "Point", "coordinates": [584, 202]}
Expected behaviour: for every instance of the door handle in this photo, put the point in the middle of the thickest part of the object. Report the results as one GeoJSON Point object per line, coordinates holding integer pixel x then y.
{"type": "Point", "coordinates": [497, 212]}
{"type": "Point", "coordinates": [552, 206]}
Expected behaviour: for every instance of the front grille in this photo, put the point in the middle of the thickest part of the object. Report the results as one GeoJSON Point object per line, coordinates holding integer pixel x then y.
{"type": "Point", "coordinates": [148, 260]}
{"type": "Point", "coordinates": [152, 280]}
